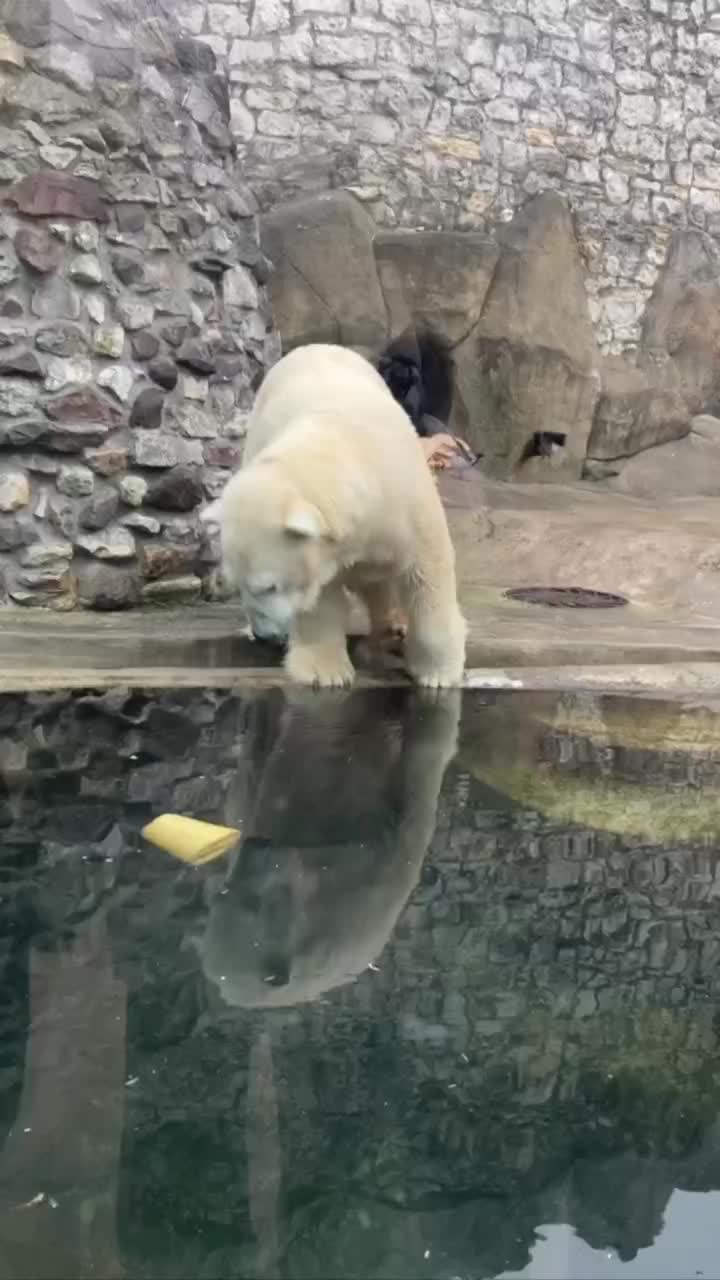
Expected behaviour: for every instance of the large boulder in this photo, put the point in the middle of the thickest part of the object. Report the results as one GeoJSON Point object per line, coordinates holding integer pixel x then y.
{"type": "Point", "coordinates": [324, 286]}
{"type": "Point", "coordinates": [681, 331]}
{"type": "Point", "coordinates": [682, 469]}
{"type": "Point", "coordinates": [638, 408]}
{"type": "Point", "coordinates": [434, 282]}
{"type": "Point", "coordinates": [525, 380]}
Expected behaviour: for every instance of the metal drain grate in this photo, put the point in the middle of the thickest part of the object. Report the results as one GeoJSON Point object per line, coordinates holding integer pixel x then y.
{"type": "Point", "coordinates": [566, 597]}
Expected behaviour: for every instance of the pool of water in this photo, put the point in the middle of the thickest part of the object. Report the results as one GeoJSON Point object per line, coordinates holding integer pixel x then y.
{"type": "Point", "coordinates": [451, 1010]}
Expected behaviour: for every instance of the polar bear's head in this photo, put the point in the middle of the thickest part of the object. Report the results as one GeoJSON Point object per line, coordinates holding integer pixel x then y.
{"type": "Point", "coordinates": [294, 923]}
{"type": "Point", "coordinates": [277, 549]}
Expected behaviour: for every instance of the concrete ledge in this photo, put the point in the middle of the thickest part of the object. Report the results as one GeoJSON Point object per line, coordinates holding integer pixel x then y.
{"type": "Point", "coordinates": [666, 681]}
{"type": "Point", "coordinates": [665, 642]}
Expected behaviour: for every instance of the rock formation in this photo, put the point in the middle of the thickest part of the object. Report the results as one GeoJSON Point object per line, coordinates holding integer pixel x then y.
{"type": "Point", "coordinates": [509, 317]}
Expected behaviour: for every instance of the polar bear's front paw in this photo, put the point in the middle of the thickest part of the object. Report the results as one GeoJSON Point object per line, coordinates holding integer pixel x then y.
{"type": "Point", "coordinates": [323, 667]}
{"type": "Point", "coordinates": [435, 651]}
{"type": "Point", "coordinates": [432, 668]}
{"type": "Point", "coordinates": [438, 679]}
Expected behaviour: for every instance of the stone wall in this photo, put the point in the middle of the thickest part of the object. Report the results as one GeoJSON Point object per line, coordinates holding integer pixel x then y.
{"type": "Point", "coordinates": [133, 321]}
{"type": "Point", "coordinates": [137, 144]}
{"type": "Point", "coordinates": [445, 115]}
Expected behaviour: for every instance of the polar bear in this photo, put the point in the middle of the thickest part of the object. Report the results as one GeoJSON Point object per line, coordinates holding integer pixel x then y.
{"type": "Point", "coordinates": [335, 495]}
{"type": "Point", "coordinates": [337, 799]}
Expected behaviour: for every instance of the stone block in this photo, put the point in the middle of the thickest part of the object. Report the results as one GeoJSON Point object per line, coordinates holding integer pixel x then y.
{"type": "Point", "coordinates": [115, 543]}
{"type": "Point", "coordinates": [239, 289]}
{"type": "Point", "coordinates": [58, 195]}
{"type": "Point", "coordinates": [17, 433]}
{"type": "Point", "coordinates": [23, 363]}
{"type": "Point", "coordinates": [14, 491]}
{"type": "Point", "coordinates": [636, 410]}
{"type": "Point", "coordinates": [158, 561]}
{"type": "Point", "coordinates": [228, 20]}
{"type": "Point", "coordinates": [147, 408]}
{"type": "Point", "coordinates": [100, 508]}
{"type": "Point", "coordinates": [686, 468]}
{"type": "Point", "coordinates": [324, 287]}
{"type": "Point", "coordinates": [434, 282]}
{"type": "Point", "coordinates": [195, 422]}
{"type": "Point", "coordinates": [118, 379]}
{"type": "Point", "coordinates": [135, 314]}
{"type": "Point", "coordinates": [18, 397]}
{"type": "Point", "coordinates": [15, 532]}
{"type": "Point", "coordinates": [172, 591]}
{"type": "Point", "coordinates": [38, 250]}
{"type": "Point", "coordinates": [108, 461]}
{"type": "Point", "coordinates": [356, 50]}
{"type": "Point", "coordinates": [85, 269]}
{"type": "Point", "coordinates": [55, 299]}
{"type": "Point", "coordinates": [179, 490]}
{"type": "Point", "coordinates": [681, 327]}
{"type": "Point", "coordinates": [42, 555]}
{"type": "Point", "coordinates": [109, 341]}
{"type": "Point", "coordinates": [61, 372]}
{"type": "Point", "coordinates": [141, 523]}
{"type": "Point", "coordinates": [526, 373]}
{"type": "Point", "coordinates": [73, 437]}
{"type": "Point", "coordinates": [61, 339]}
{"type": "Point", "coordinates": [164, 372]}
{"type": "Point", "coordinates": [106, 587]}
{"type": "Point", "coordinates": [161, 449]}
{"type": "Point", "coordinates": [75, 481]}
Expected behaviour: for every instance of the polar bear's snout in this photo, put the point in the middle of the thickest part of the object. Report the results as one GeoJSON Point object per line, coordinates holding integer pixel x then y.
{"type": "Point", "coordinates": [275, 550]}
{"type": "Point", "coordinates": [269, 615]}
{"type": "Point", "coordinates": [266, 631]}
{"type": "Point", "coordinates": [272, 600]}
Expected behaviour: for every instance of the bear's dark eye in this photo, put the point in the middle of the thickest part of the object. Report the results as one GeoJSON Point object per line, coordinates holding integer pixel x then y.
{"type": "Point", "coordinates": [277, 971]}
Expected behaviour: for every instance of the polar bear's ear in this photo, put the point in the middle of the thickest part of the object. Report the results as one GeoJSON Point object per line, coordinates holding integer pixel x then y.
{"type": "Point", "coordinates": [304, 521]}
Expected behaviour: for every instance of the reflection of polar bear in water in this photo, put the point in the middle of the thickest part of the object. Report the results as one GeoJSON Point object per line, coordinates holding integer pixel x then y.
{"type": "Point", "coordinates": [335, 836]}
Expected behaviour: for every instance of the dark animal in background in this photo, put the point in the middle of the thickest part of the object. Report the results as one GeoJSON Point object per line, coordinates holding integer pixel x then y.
{"type": "Point", "coordinates": [544, 444]}
{"type": "Point", "coordinates": [417, 374]}
{"type": "Point", "coordinates": [403, 379]}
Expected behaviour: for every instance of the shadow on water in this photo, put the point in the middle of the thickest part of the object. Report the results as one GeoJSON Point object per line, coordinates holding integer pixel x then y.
{"type": "Point", "coordinates": [450, 1011]}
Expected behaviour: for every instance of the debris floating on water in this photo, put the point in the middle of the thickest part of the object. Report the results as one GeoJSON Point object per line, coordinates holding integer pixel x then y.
{"type": "Point", "coordinates": [31, 1204]}
{"type": "Point", "coordinates": [189, 839]}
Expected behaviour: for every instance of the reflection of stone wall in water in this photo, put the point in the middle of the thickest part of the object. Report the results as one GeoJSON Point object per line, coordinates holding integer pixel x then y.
{"type": "Point", "coordinates": [132, 312]}
{"type": "Point", "coordinates": [538, 1044]}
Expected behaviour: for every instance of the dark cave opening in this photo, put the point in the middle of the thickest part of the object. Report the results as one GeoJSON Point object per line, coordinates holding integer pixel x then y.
{"type": "Point", "coordinates": [417, 370]}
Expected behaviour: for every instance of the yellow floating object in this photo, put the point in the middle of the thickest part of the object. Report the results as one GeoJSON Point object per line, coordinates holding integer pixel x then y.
{"type": "Point", "coordinates": [190, 839]}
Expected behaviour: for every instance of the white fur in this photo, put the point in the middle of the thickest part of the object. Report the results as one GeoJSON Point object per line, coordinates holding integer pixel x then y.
{"type": "Point", "coordinates": [335, 495]}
